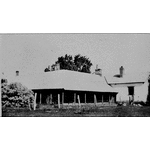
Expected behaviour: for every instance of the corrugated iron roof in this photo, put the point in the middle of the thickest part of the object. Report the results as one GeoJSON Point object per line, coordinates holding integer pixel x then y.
{"type": "Point", "coordinates": [65, 79]}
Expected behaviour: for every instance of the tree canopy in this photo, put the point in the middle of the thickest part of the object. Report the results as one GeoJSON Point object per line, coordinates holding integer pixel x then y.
{"type": "Point", "coordinates": [78, 63]}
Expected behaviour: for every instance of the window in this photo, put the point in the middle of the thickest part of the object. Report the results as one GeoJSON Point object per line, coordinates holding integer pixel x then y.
{"type": "Point", "coordinates": [131, 90]}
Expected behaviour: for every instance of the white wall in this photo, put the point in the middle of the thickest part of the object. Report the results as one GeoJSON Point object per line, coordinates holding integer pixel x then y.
{"type": "Point", "coordinates": [140, 91]}
{"type": "Point", "coordinates": [122, 93]}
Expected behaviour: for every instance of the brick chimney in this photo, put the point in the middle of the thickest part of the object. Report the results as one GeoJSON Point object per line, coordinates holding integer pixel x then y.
{"type": "Point", "coordinates": [98, 71]}
{"type": "Point", "coordinates": [121, 71]}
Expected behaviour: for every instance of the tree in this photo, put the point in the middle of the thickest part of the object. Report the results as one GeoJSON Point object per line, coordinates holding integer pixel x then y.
{"type": "Point", "coordinates": [148, 96]}
{"type": "Point", "coordinates": [78, 63]}
{"type": "Point", "coordinates": [83, 64]}
{"type": "Point", "coordinates": [66, 62]}
{"type": "Point", "coordinates": [47, 69]}
{"type": "Point", "coordinates": [16, 95]}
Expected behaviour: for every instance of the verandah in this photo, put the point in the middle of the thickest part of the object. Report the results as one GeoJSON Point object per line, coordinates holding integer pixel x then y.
{"type": "Point", "coordinates": [62, 97]}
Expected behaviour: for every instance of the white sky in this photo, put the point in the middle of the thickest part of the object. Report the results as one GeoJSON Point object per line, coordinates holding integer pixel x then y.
{"type": "Point", "coordinates": [32, 53]}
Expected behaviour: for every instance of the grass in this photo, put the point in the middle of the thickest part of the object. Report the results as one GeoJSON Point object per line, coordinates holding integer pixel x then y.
{"type": "Point", "coordinates": [100, 111]}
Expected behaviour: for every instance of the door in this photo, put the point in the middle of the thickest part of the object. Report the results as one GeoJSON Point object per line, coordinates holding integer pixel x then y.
{"type": "Point", "coordinates": [131, 93]}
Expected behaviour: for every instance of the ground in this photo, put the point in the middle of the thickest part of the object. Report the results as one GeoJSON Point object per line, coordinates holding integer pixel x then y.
{"type": "Point", "coordinates": [94, 111]}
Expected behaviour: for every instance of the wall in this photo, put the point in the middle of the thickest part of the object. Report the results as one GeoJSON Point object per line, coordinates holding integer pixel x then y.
{"type": "Point", "coordinates": [140, 91]}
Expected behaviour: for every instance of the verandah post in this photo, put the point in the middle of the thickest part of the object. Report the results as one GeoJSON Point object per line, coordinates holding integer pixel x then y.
{"type": "Point", "coordinates": [85, 98]}
{"type": "Point", "coordinates": [62, 98]}
{"type": "Point", "coordinates": [102, 99]}
{"type": "Point", "coordinates": [95, 100]}
{"type": "Point", "coordinates": [79, 101]}
{"type": "Point", "coordinates": [74, 98]}
{"type": "Point", "coordinates": [40, 98]}
{"type": "Point", "coordinates": [51, 99]}
{"type": "Point", "coordinates": [34, 107]}
{"type": "Point", "coordinates": [58, 100]}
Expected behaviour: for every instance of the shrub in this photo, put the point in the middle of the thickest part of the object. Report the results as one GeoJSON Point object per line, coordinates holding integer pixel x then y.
{"type": "Point", "coordinates": [16, 95]}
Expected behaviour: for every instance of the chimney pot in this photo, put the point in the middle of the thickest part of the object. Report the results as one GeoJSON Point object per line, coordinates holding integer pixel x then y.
{"type": "Point", "coordinates": [17, 73]}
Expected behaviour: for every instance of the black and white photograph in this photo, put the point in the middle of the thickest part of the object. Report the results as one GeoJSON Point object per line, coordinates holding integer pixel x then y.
{"type": "Point", "coordinates": [76, 75]}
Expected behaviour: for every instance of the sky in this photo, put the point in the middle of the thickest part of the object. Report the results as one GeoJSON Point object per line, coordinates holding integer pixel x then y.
{"type": "Point", "coordinates": [32, 53]}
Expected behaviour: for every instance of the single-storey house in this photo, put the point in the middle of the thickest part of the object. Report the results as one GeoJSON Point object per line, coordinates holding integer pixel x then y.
{"type": "Point", "coordinates": [65, 86]}
{"type": "Point", "coordinates": [132, 87]}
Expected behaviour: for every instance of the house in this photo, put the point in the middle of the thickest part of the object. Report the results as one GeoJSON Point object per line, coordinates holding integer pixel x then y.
{"type": "Point", "coordinates": [65, 86]}
{"type": "Point", "coordinates": [130, 87]}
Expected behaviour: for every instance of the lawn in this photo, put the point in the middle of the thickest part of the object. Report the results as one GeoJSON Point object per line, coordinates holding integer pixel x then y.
{"type": "Point", "coordinates": [100, 111]}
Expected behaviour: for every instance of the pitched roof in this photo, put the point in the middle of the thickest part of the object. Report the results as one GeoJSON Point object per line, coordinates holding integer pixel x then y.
{"type": "Point", "coordinates": [131, 78]}
{"type": "Point", "coordinates": [66, 79]}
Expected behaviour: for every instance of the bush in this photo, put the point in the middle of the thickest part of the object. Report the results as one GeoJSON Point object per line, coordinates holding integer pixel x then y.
{"type": "Point", "coordinates": [16, 95]}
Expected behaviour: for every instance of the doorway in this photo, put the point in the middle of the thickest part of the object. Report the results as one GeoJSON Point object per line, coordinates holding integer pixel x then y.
{"type": "Point", "coordinates": [131, 93]}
